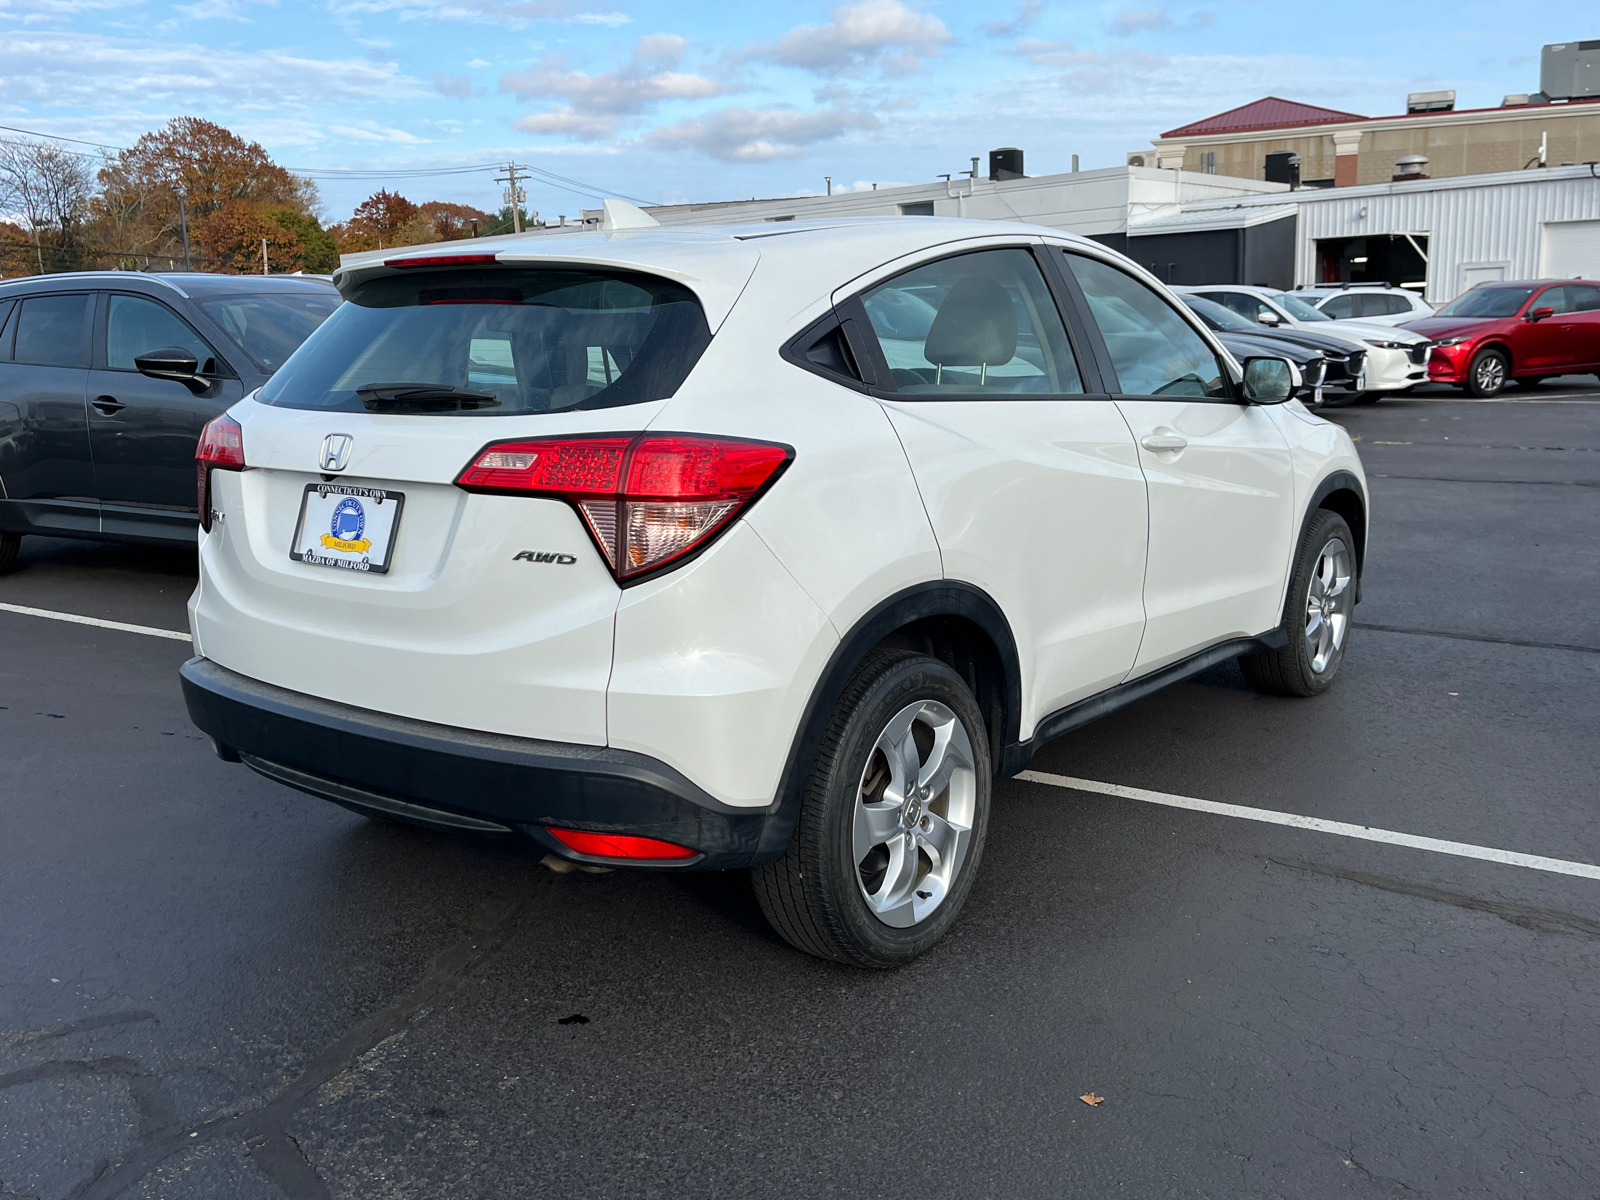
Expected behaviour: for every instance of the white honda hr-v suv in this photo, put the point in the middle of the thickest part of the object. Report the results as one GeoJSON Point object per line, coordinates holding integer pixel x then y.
{"type": "Point", "coordinates": [763, 548]}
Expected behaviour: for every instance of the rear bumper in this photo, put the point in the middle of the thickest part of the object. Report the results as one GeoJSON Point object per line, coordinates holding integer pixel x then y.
{"type": "Point", "coordinates": [448, 778]}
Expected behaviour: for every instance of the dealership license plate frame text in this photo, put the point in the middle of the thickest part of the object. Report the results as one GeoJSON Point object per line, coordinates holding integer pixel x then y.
{"type": "Point", "coordinates": [374, 521]}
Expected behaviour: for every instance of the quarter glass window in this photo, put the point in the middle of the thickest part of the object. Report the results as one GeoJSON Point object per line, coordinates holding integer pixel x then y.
{"type": "Point", "coordinates": [981, 323]}
{"type": "Point", "coordinates": [1155, 351]}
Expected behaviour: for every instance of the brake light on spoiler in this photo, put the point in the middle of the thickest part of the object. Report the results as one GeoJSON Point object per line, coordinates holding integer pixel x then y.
{"type": "Point", "coordinates": [440, 260]}
{"type": "Point", "coordinates": [649, 500]}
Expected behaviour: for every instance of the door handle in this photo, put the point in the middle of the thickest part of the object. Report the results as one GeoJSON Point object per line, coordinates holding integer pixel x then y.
{"type": "Point", "coordinates": [1158, 442]}
{"type": "Point", "coordinates": [108, 405]}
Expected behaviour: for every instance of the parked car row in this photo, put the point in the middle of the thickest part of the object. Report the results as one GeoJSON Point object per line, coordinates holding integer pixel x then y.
{"type": "Point", "coordinates": [1486, 338]}
{"type": "Point", "coordinates": [106, 379]}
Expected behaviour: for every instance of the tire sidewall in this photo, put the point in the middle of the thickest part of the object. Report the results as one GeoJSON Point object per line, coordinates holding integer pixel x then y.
{"type": "Point", "coordinates": [904, 682]}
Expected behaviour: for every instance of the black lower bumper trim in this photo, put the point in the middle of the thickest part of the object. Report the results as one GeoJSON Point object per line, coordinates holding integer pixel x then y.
{"type": "Point", "coordinates": [446, 777]}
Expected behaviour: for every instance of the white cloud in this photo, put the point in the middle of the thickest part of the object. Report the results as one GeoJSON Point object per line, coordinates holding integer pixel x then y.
{"type": "Point", "coordinates": [62, 70]}
{"type": "Point", "coordinates": [479, 62]}
{"type": "Point", "coordinates": [1027, 13]}
{"type": "Point", "coordinates": [1131, 20]}
{"type": "Point", "coordinates": [759, 135]}
{"type": "Point", "coordinates": [37, 12]}
{"type": "Point", "coordinates": [595, 103]}
{"type": "Point", "coordinates": [371, 131]}
{"type": "Point", "coordinates": [885, 34]}
{"type": "Point", "coordinates": [514, 14]}
{"type": "Point", "coordinates": [1053, 54]}
{"type": "Point", "coordinates": [220, 10]}
{"type": "Point", "coordinates": [457, 87]}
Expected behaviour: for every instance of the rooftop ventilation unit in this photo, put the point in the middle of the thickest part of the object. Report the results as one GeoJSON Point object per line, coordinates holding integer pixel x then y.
{"type": "Point", "coordinates": [1411, 166]}
{"type": "Point", "coordinates": [1570, 70]}
{"type": "Point", "coordinates": [1426, 102]}
{"type": "Point", "coordinates": [1005, 163]}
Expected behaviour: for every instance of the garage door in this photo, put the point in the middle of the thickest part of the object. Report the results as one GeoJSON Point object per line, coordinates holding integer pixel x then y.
{"type": "Point", "coordinates": [1570, 248]}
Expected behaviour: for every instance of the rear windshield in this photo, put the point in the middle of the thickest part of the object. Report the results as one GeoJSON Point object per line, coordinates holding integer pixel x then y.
{"type": "Point", "coordinates": [1487, 302]}
{"type": "Point", "coordinates": [496, 342]}
{"type": "Point", "coordinates": [269, 326]}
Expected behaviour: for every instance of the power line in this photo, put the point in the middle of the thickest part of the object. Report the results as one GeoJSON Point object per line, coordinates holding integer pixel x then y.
{"type": "Point", "coordinates": [561, 182]}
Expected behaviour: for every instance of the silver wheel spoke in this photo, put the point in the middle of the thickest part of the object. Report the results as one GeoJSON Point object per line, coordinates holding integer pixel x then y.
{"type": "Point", "coordinates": [944, 760]}
{"type": "Point", "coordinates": [875, 825]}
{"type": "Point", "coordinates": [1329, 598]}
{"type": "Point", "coordinates": [941, 839]}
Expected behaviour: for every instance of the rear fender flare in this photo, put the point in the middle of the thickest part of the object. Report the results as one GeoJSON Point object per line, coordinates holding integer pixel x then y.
{"type": "Point", "coordinates": [936, 598]}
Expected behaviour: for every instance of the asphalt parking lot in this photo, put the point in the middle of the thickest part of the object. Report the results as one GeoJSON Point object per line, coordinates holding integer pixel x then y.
{"type": "Point", "coordinates": [213, 987]}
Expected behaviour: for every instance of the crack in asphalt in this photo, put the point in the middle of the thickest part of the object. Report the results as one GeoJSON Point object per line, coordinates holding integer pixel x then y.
{"type": "Point", "coordinates": [1479, 637]}
{"type": "Point", "coordinates": [1524, 916]}
{"type": "Point", "coordinates": [261, 1121]}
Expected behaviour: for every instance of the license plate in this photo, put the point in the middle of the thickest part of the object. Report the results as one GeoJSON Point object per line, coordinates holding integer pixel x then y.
{"type": "Point", "coordinates": [349, 527]}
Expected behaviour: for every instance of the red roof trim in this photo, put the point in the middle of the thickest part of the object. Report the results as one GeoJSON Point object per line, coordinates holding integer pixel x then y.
{"type": "Point", "coordinates": [1269, 112]}
{"type": "Point", "coordinates": [1199, 128]}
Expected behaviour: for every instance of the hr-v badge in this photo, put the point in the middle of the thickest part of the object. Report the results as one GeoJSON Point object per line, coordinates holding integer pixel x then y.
{"type": "Point", "coordinates": [336, 451]}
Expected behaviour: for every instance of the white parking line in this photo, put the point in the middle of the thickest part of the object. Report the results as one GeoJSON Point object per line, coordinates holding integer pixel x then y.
{"type": "Point", "coordinates": [74, 618]}
{"type": "Point", "coordinates": [1536, 862]}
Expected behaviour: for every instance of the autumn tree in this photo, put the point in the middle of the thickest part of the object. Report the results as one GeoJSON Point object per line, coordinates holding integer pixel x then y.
{"type": "Point", "coordinates": [50, 188]}
{"type": "Point", "coordinates": [214, 168]}
{"type": "Point", "coordinates": [233, 235]}
{"type": "Point", "coordinates": [377, 222]}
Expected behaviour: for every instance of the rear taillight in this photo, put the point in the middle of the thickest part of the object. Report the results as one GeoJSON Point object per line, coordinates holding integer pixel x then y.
{"type": "Point", "coordinates": [620, 845]}
{"type": "Point", "coordinates": [648, 499]}
{"type": "Point", "coordinates": [440, 260]}
{"type": "Point", "coordinates": [221, 447]}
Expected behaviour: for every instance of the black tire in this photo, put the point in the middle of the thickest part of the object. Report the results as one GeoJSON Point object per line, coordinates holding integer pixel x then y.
{"type": "Point", "coordinates": [1487, 374]}
{"type": "Point", "coordinates": [1292, 670]}
{"type": "Point", "coordinates": [816, 895]}
{"type": "Point", "coordinates": [8, 550]}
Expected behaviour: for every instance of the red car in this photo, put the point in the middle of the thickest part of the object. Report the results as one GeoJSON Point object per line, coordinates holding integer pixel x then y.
{"type": "Point", "coordinates": [1522, 331]}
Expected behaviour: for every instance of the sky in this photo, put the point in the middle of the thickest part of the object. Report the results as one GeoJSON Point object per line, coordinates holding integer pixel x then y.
{"type": "Point", "coordinates": [691, 101]}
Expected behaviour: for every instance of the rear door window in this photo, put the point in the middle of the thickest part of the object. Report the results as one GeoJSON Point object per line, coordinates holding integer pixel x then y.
{"type": "Point", "coordinates": [1340, 308]}
{"type": "Point", "coordinates": [1154, 350]}
{"type": "Point", "coordinates": [1585, 297]}
{"type": "Point", "coordinates": [976, 324]}
{"type": "Point", "coordinates": [52, 331]}
{"type": "Point", "coordinates": [494, 342]}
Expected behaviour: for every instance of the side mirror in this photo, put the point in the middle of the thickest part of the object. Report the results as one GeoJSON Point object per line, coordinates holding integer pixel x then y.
{"type": "Point", "coordinates": [1270, 380]}
{"type": "Point", "coordinates": [1540, 314]}
{"type": "Point", "coordinates": [175, 363]}
{"type": "Point", "coordinates": [1267, 317]}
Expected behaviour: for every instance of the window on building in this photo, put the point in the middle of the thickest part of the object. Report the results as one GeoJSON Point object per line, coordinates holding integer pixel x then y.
{"type": "Point", "coordinates": [918, 208]}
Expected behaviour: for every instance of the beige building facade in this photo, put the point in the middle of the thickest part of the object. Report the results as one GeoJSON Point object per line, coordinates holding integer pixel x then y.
{"type": "Point", "coordinates": [1362, 150]}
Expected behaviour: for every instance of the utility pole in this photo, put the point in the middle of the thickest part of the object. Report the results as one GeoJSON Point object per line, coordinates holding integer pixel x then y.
{"type": "Point", "coordinates": [183, 218]}
{"type": "Point", "coordinates": [514, 195]}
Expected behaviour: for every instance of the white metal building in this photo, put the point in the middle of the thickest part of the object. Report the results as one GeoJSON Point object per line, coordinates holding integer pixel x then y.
{"type": "Point", "coordinates": [1468, 229]}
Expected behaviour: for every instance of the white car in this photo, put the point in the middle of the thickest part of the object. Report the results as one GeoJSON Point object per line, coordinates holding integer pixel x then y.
{"type": "Point", "coordinates": [752, 547]}
{"type": "Point", "coordinates": [1374, 304]}
{"type": "Point", "coordinates": [1397, 359]}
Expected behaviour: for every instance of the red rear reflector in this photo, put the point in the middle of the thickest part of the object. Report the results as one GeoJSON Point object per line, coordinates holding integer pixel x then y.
{"type": "Point", "coordinates": [440, 260]}
{"type": "Point", "coordinates": [648, 499]}
{"type": "Point", "coordinates": [619, 845]}
{"type": "Point", "coordinates": [221, 446]}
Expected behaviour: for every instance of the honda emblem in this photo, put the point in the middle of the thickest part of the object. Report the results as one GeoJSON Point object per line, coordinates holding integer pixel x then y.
{"type": "Point", "coordinates": [336, 451]}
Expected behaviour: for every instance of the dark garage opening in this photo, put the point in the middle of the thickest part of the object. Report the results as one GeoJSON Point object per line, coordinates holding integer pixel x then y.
{"type": "Point", "coordinates": [1261, 254]}
{"type": "Point", "coordinates": [1382, 258]}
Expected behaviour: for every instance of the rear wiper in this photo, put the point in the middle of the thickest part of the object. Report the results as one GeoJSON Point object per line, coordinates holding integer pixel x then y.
{"type": "Point", "coordinates": [435, 397]}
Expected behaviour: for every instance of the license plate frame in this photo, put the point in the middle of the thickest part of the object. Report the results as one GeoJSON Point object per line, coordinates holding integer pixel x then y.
{"type": "Point", "coordinates": [342, 553]}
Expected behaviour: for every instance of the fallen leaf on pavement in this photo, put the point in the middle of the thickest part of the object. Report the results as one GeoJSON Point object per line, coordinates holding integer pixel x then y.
{"type": "Point", "coordinates": [1092, 1100]}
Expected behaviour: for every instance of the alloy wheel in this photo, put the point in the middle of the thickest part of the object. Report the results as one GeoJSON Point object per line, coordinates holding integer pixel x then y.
{"type": "Point", "coordinates": [913, 813]}
{"type": "Point", "coordinates": [1329, 602]}
{"type": "Point", "coordinates": [1490, 374]}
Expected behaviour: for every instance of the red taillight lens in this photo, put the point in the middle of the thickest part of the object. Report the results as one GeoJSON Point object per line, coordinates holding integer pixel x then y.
{"type": "Point", "coordinates": [620, 845]}
{"type": "Point", "coordinates": [221, 446]}
{"type": "Point", "coordinates": [648, 499]}
{"type": "Point", "coordinates": [440, 260]}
